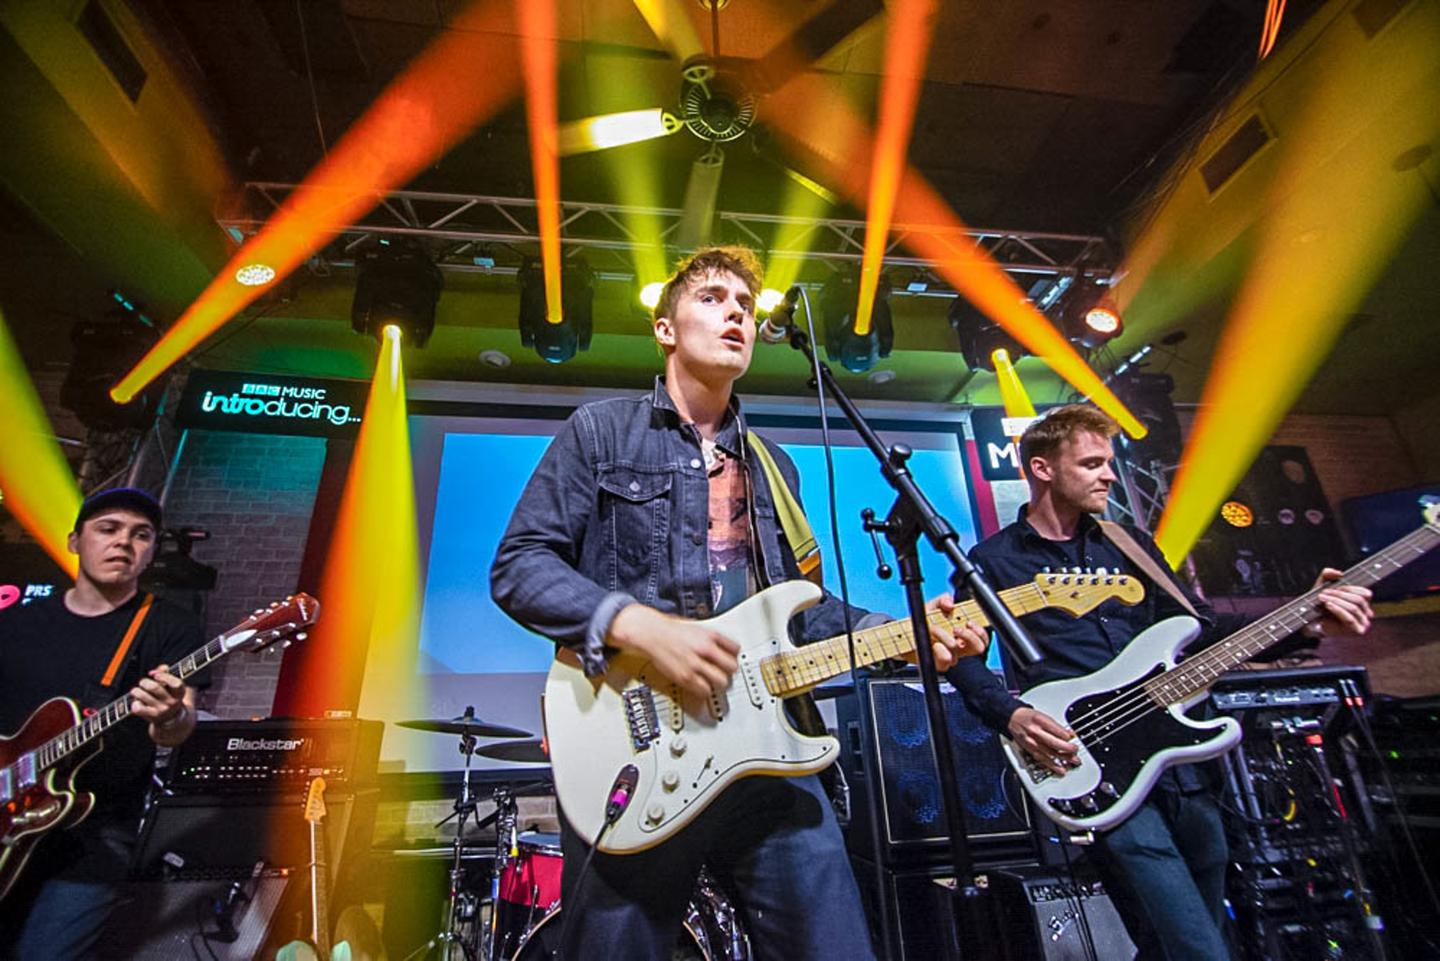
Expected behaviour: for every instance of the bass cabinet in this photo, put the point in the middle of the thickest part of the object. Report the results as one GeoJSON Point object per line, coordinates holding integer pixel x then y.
{"type": "Point", "coordinates": [894, 771]}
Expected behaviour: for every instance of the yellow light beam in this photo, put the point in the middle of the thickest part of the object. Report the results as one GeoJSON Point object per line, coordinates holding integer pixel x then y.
{"type": "Point", "coordinates": [40, 491]}
{"type": "Point", "coordinates": [418, 117]}
{"type": "Point", "coordinates": [371, 579]}
{"type": "Point", "coordinates": [670, 23]}
{"type": "Point", "coordinates": [906, 45]}
{"type": "Point", "coordinates": [1336, 209]}
{"type": "Point", "coordinates": [1012, 393]}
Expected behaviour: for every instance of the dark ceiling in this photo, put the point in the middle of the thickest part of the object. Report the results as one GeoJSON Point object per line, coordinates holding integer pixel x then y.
{"type": "Point", "coordinates": [1034, 115]}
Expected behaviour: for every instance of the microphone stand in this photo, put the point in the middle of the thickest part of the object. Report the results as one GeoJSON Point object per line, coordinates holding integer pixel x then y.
{"type": "Point", "coordinates": [910, 516]}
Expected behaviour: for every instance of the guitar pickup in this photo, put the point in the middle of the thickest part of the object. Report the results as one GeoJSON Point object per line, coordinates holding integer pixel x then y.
{"type": "Point", "coordinates": [642, 717]}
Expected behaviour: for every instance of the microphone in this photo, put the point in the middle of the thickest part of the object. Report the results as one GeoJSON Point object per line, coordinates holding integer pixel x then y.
{"type": "Point", "coordinates": [776, 327]}
{"type": "Point", "coordinates": [621, 792]}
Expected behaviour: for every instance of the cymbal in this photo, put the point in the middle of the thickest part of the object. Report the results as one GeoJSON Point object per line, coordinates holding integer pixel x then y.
{"type": "Point", "coordinates": [465, 724]}
{"type": "Point", "coordinates": [522, 752]}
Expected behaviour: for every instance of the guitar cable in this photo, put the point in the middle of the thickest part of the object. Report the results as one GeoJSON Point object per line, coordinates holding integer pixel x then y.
{"type": "Point", "coordinates": [1086, 934]}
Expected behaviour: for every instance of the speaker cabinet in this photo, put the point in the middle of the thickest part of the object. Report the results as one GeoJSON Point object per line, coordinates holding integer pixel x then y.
{"type": "Point", "coordinates": [165, 920]}
{"type": "Point", "coordinates": [921, 910]}
{"type": "Point", "coordinates": [1046, 916]}
{"type": "Point", "coordinates": [894, 771]}
{"type": "Point", "coordinates": [225, 837]}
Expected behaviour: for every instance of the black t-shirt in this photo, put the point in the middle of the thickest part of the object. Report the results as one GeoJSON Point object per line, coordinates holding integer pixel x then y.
{"type": "Point", "coordinates": [47, 651]}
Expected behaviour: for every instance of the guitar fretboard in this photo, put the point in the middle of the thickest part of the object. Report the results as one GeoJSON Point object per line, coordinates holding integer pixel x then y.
{"type": "Point", "coordinates": [92, 726]}
{"type": "Point", "coordinates": [1199, 672]}
{"type": "Point", "coordinates": [795, 671]}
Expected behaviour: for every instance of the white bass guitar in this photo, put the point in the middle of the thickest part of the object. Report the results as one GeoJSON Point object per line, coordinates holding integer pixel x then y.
{"type": "Point", "coordinates": [1129, 717]}
{"type": "Point", "coordinates": [688, 749]}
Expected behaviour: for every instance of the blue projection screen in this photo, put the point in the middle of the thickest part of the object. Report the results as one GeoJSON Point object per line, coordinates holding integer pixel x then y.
{"type": "Point", "coordinates": [470, 471]}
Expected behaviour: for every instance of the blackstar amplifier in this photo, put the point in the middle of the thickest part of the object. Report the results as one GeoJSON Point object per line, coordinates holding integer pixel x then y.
{"type": "Point", "coordinates": [275, 755]}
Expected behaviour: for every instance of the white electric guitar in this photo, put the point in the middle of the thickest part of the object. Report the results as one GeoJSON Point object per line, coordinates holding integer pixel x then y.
{"type": "Point", "coordinates": [687, 749]}
{"type": "Point", "coordinates": [1129, 717]}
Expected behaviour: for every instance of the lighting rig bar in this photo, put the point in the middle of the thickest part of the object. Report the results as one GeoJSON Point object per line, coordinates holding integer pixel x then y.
{"type": "Point", "coordinates": [485, 234]}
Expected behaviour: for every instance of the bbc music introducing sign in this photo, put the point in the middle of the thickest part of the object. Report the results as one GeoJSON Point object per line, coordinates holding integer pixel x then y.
{"type": "Point", "coordinates": [272, 403]}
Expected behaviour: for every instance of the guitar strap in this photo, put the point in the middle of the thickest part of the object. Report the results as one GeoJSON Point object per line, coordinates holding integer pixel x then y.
{"type": "Point", "coordinates": [1121, 538]}
{"type": "Point", "coordinates": [118, 659]}
{"type": "Point", "coordinates": [791, 516]}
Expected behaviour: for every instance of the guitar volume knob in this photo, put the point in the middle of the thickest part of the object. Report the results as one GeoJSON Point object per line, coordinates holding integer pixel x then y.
{"type": "Point", "coordinates": [670, 780]}
{"type": "Point", "coordinates": [655, 813]}
{"type": "Point", "coordinates": [678, 745]}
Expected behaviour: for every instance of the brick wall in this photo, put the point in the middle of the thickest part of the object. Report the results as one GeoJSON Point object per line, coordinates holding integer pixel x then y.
{"type": "Point", "coordinates": [254, 494]}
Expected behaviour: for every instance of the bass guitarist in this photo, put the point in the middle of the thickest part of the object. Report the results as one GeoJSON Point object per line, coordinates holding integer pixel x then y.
{"type": "Point", "coordinates": [92, 643]}
{"type": "Point", "coordinates": [1166, 862]}
{"type": "Point", "coordinates": [644, 515]}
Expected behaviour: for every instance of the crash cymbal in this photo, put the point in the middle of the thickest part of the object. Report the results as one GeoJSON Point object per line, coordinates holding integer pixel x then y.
{"type": "Point", "coordinates": [522, 752]}
{"type": "Point", "coordinates": [465, 724]}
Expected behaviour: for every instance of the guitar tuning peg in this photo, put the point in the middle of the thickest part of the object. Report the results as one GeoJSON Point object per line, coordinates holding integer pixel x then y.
{"type": "Point", "coordinates": [1101, 571]}
{"type": "Point", "coordinates": [285, 643]}
{"type": "Point", "coordinates": [1045, 569]}
{"type": "Point", "coordinates": [301, 636]}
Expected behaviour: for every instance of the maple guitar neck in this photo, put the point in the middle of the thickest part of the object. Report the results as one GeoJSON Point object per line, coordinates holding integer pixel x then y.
{"type": "Point", "coordinates": [796, 671]}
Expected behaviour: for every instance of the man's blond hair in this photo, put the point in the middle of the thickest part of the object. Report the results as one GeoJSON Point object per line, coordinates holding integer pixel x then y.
{"type": "Point", "coordinates": [1046, 436]}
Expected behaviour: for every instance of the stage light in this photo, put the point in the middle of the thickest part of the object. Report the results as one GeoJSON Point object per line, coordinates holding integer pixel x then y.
{"type": "Point", "coordinates": [556, 343]}
{"type": "Point", "coordinates": [396, 284]}
{"type": "Point", "coordinates": [255, 275]}
{"type": "Point", "coordinates": [768, 300]}
{"type": "Point", "coordinates": [1236, 514]}
{"type": "Point", "coordinates": [980, 337]}
{"type": "Point", "coordinates": [1090, 316]}
{"type": "Point", "coordinates": [855, 352]}
{"type": "Point", "coordinates": [650, 294]}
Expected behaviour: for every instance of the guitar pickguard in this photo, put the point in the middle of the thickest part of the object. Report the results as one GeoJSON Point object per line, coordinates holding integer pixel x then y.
{"type": "Point", "coordinates": [1119, 739]}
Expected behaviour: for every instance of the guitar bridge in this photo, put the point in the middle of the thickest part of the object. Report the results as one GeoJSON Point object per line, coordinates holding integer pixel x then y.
{"type": "Point", "coordinates": [642, 717]}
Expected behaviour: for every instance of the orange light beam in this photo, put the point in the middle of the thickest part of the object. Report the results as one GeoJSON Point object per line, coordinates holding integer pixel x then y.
{"type": "Point", "coordinates": [906, 46]}
{"type": "Point", "coordinates": [970, 270]}
{"type": "Point", "coordinates": [455, 84]}
{"type": "Point", "coordinates": [537, 24]}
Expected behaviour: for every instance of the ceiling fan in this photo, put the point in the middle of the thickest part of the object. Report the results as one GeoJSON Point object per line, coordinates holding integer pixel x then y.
{"type": "Point", "coordinates": [720, 100]}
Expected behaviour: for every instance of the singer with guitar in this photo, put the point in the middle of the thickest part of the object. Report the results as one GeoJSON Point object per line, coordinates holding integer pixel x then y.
{"type": "Point", "coordinates": [92, 643]}
{"type": "Point", "coordinates": [1165, 863]}
{"type": "Point", "coordinates": [645, 516]}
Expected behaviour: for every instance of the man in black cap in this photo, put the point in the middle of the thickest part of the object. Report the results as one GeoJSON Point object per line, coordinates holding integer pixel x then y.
{"type": "Point", "coordinates": [94, 643]}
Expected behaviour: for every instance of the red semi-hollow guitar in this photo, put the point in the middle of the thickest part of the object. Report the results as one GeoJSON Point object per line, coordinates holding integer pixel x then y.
{"type": "Point", "coordinates": [37, 780]}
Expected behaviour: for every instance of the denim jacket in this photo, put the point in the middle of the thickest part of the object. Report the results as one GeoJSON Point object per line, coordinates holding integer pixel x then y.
{"type": "Point", "coordinates": [617, 511]}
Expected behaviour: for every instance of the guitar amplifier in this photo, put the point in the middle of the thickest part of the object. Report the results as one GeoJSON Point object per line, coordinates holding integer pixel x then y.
{"type": "Point", "coordinates": [895, 770]}
{"type": "Point", "coordinates": [1047, 915]}
{"type": "Point", "coordinates": [1307, 691]}
{"type": "Point", "coordinates": [276, 755]}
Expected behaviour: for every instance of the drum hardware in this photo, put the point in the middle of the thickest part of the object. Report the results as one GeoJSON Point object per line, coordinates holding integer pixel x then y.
{"type": "Point", "coordinates": [462, 906]}
{"type": "Point", "coordinates": [466, 725]}
{"type": "Point", "coordinates": [712, 930]}
{"type": "Point", "coordinates": [529, 751]}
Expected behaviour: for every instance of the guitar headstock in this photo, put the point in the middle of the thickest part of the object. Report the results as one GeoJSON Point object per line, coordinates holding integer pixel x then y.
{"type": "Point", "coordinates": [315, 801]}
{"type": "Point", "coordinates": [1430, 510]}
{"type": "Point", "coordinates": [1079, 591]}
{"type": "Point", "coordinates": [281, 620]}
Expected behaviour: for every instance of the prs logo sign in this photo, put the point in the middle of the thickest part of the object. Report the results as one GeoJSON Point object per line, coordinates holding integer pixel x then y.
{"type": "Point", "coordinates": [11, 594]}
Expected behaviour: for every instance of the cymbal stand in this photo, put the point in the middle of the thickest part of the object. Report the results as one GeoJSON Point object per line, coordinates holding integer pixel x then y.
{"type": "Point", "coordinates": [460, 903]}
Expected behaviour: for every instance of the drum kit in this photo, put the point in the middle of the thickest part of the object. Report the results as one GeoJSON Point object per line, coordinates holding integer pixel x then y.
{"type": "Point", "coordinates": [519, 918]}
